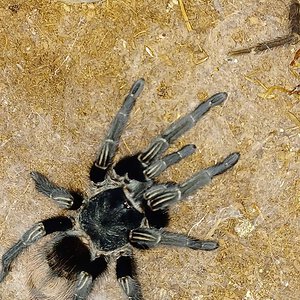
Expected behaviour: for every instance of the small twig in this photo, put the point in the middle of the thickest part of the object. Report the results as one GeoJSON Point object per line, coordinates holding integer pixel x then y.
{"type": "Point", "coordinates": [126, 146]}
{"type": "Point", "coordinates": [294, 17]}
{"type": "Point", "coordinates": [279, 41]}
{"type": "Point", "coordinates": [291, 38]}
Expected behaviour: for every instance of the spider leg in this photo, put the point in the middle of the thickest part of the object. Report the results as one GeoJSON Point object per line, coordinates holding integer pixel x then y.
{"type": "Point", "coordinates": [83, 286]}
{"type": "Point", "coordinates": [35, 233]}
{"type": "Point", "coordinates": [127, 277]}
{"type": "Point", "coordinates": [204, 177]}
{"type": "Point", "coordinates": [152, 237]}
{"type": "Point", "coordinates": [64, 198]}
{"type": "Point", "coordinates": [162, 196]}
{"type": "Point", "coordinates": [159, 166]}
{"type": "Point", "coordinates": [161, 143]}
{"type": "Point", "coordinates": [86, 278]}
{"type": "Point", "coordinates": [111, 141]}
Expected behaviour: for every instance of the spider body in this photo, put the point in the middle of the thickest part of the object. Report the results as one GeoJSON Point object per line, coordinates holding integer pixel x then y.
{"type": "Point", "coordinates": [108, 219]}
{"type": "Point", "coordinates": [127, 207]}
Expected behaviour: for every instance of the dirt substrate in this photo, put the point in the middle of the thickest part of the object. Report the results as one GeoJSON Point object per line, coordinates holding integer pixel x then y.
{"type": "Point", "coordinates": [65, 70]}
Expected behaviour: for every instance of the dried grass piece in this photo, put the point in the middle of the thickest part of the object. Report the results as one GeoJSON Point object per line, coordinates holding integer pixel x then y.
{"type": "Point", "coordinates": [295, 62]}
{"type": "Point", "coordinates": [184, 15]}
{"type": "Point", "coordinates": [269, 90]}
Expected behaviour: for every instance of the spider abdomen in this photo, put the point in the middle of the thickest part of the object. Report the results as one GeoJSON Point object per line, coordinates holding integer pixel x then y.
{"type": "Point", "coordinates": [108, 219]}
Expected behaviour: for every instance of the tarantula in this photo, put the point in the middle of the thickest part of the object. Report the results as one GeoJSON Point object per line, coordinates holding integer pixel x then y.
{"type": "Point", "coordinates": [127, 207]}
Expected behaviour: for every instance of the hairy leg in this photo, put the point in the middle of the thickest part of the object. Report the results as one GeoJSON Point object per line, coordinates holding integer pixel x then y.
{"type": "Point", "coordinates": [161, 143]}
{"type": "Point", "coordinates": [35, 233]}
{"type": "Point", "coordinates": [127, 277]}
{"type": "Point", "coordinates": [109, 146]}
{"type": "Point", "coordinates": [162, 196]}
{"type": "Point", "coordinates": [148, 164]}
{"type": "Point", "coordinates": [159, 166]}
{"type": "Point", "coordinates": [62, 197]}
{"type": "Point", "coordinates": [87, 276]}
{"type": "Point", "coordinates": [152, 237]}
